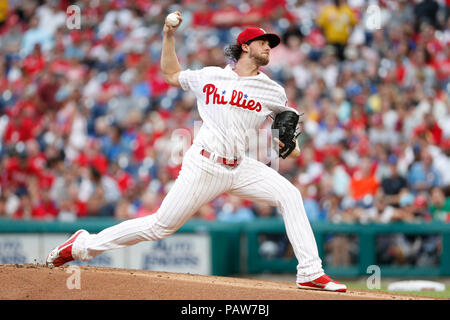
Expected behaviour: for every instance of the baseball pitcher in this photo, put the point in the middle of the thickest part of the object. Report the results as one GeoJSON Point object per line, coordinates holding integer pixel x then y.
{"type": "Point", "coordinates": [231, 101]}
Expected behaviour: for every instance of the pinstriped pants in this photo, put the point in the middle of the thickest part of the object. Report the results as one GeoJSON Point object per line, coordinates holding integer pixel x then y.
{"type": "Point", "coordinates": [200, 181]}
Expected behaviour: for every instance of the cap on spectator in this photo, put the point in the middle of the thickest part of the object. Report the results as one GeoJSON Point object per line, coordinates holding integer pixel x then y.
{"type": "Point", "coordinates": [406, 200]}
{"type": "Point", "coordinates": [347, 203]}
{"type": "Point", "coordinates": [254, 33]}
{"type": "Point", "coordinates": [420, 200]}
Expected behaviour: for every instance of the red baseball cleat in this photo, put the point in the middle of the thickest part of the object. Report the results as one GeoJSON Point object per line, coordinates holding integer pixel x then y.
{"type": "Point", "coordinates": [323, 283]}
{"type": "Point", "coordinates": [63, 253]}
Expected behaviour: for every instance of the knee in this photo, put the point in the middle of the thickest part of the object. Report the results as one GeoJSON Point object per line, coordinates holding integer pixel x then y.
{"type": "Point", "coordinates": [163, 231]}
{"type": "Point", "coordinates": [159, 229]}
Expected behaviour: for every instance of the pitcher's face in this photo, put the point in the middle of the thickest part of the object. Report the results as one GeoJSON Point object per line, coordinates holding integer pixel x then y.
{"type": "Point", "coordinates": [259, 51]}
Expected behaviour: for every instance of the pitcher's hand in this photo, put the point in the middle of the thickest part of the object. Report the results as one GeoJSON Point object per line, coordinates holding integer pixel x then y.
{"type": "Point", "coordinates": [168, 28]}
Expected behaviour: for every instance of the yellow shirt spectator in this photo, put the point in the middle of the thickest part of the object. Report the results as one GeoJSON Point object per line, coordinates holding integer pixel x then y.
{"type": "Point", "coordinates": [3, 10]}
{"type": "Point", "coordinates": [337, 22]}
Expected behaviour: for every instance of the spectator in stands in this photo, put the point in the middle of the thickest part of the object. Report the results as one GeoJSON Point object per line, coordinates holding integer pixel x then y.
{"type": "Point", "coordinates": [404, 213]}
{"type": "Point", "coordinates": [262, 210]}
{"type": "Point", "coordinates": [36, 35]}
{"type": "Point", "coordinates": [393, 184]}
{"type": "Point", "coordinates": [426, 12]}
{"type": "Point", "coordinates": [339, 248]}
{"type": "Point", "coordinates": [114, 143]}
{"type": "Point", "coordinates": [43, 206]}
{"type": "Point", "coordinates": [206, 212]}
{"type": "Point", "coordinates": [233, 211]}
{"type": "Point", "coordinates": [51, 17]}
{"type": "Point", "coordinates": [271, 245]}
{"type": "Point", "coordinates": [429, 130]}
{"type": "Point", "coordinates": [441, 160]}
{"type": "Point", "coordinates": [331, 208]}
{"type": "Point", "coordinates": [309, 194]}
{"type": "Point", "coordinates": [61, 93]}
{"type": "Point", "coordinates": [103, 193]}
{"type": "Point", "coordinates": [439, 206]}
{"type": "Point", "coordinates": [149, 204]}
{"type": "Point", "coordinates": [330, 133]}
{"type": "Point", "coordinates": [382, 211]}
{"type": "Point", "coordinates": [364, 184]}
{"type": "Point", "coordinates": [337, 21]}
{"type": "Point", "coordinates": [420, 210]}
{"type": "Point", "coordinates": [422, 176]}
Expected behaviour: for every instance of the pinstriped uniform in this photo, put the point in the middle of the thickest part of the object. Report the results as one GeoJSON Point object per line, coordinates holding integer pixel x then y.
{"type": "Point", "coordinates": [229, 106]}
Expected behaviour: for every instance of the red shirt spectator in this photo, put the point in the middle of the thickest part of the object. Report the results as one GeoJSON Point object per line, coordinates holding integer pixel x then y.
{"type": "Point", "coordinates": [226, 16]}
{"type": "Point", "coordinates": [37, 164]}
{"type": "Point", "coordinates": [47, 89]}
{"type": "Point", "coordinates": [144, 142]}
{"type": "Point", "coordinates": [46, 179]}
{"type": "Point", "coordinates": [276, 9]}
{"type": "Point", "coordinates": [156, 80]}
{"type": "Point", "coordinates": [133, 58]}
{"type": "Point", "coordinates": [59, 64]}
{"type": "Point", "coordinates": [92, 156]}
{"type": "Point", "coordinates": [202, 17]}
{"type": "Point", "coordinates": [113, 86]}
{"type": "Point", "coordinates": [18, 171]}
{"type": "Point", "coordinates": [124, 180]}
{"type": "Point", "coordinates": [441, 64]}
{"type": "Point", "coordinates": [99, 161]}
{"type": "Point", "coordinates": [34, 63]}
{"type": "Point", "coordinates": [16, 131]}
{"type": "Point", "coordinates": [45, 209]}
{"type": "Point", "coordinates": [23, 122]}
{"type": "Point", "coordinates": [430, 130]}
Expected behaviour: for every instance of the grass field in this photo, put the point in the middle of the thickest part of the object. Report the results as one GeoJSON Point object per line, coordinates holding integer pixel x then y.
{"type": "Point", "coordinates": [361, 285]}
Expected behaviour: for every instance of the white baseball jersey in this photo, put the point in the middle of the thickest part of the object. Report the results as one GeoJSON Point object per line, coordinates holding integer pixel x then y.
{"type": "Point", "coordinates": [232, 107]}
{"type": "Point", "coordinates": [229, 105]}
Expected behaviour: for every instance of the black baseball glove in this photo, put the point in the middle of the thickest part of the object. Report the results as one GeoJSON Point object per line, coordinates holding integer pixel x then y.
{"type": "Point", "coordinates": [286, 123]}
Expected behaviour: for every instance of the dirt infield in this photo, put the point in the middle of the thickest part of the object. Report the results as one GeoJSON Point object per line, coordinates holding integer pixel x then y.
{"type": "Point", "coordinates": [37, 282]}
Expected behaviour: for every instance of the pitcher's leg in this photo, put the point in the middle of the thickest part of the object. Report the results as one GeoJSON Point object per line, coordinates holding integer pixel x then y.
{"type": "Point", "coordinates": [127, 233]}
{"type": "Point", "coordinates": [257, 182]}
{"type": "Point", "coordinates": [199, 182]}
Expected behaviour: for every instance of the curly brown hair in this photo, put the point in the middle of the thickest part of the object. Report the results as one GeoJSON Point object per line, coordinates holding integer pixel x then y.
{"type": "Point", "coordinates": [233, 52]}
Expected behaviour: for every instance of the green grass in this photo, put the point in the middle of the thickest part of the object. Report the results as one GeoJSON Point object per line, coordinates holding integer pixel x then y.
{"type": "Point", "coordinates": [361, 285]}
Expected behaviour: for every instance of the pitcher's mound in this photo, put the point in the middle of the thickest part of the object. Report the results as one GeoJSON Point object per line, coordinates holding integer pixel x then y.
{"type": "Point", "coordinates": [37, 282]}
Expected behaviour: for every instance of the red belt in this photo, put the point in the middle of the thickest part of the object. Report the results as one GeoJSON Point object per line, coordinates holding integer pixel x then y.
{"type": "Point", "coordinates": [227, 162]}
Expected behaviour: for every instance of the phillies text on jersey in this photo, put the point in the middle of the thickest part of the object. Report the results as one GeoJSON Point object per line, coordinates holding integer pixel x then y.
{"type": "Point", "coordinates": [231, 107]}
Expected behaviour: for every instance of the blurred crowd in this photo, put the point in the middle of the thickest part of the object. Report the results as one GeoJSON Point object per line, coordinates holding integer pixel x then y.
{"type": "Point", "coordinates": [87, 120]}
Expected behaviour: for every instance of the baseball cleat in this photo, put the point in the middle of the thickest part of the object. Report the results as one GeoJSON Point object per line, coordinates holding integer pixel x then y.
{"type": "Point", "coordinates": [63, 253]}
{"type": "Point", "coordinates": [323, 283]}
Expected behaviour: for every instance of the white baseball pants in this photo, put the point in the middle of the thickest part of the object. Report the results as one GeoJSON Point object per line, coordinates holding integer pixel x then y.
{"type": "Point", "coordinates": [200, 181]}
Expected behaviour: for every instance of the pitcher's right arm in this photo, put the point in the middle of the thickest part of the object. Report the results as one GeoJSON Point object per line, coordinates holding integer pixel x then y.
{"type": "Point", "coordinates": [170, 66]}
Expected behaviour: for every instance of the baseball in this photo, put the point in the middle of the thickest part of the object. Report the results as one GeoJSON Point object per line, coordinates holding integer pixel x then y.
{"type": "Point", "coordinates": [173, 19]}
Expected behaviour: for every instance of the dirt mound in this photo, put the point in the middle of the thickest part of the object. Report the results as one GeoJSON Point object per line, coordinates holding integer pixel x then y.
{"type": "Point", "coordinates": [37, 282]}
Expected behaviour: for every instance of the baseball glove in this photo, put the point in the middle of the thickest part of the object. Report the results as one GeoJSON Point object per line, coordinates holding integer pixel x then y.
{"type": "Point", "coordinates": [286, 123]}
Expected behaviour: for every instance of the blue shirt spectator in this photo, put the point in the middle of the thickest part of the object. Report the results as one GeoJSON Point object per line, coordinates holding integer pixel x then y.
{"type": "Point", "coordinates": [233, 211]}
{"type": "Point", "coordinates": [422, 176]}
{"type": "Point", "coordinates": [312, 209]}
{"type": "Point", "coordinates": [240, 215]}
{"type": "Point", "coordinates": [35, 35]}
